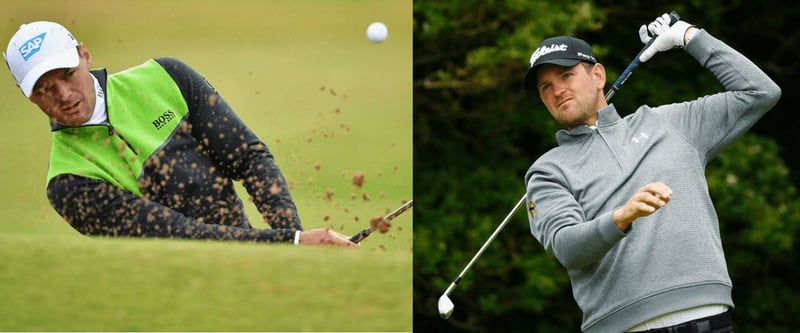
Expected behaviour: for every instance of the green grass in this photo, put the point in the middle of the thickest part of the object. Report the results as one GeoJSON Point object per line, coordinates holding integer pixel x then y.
{"type": "Point", "coordinates": [326, 101]}
{"type": "Point", "coordinates": [171, 285]}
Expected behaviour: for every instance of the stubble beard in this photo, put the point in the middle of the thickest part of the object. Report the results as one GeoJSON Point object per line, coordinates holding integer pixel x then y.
{"type": "Point", "coordinates": [586, 109]}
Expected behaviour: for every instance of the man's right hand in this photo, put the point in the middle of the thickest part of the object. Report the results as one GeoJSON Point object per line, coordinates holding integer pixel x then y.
{"type": "Point", "coordinates": [647, 200]}
{"type": "Point", "coordinates": [325, 237]}
{"type": "Point", "coordinates": [667, 37]}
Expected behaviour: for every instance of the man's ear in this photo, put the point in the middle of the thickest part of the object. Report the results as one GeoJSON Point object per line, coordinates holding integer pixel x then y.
{"type": "Point", "coordinates": [83, 51]}
{"type": "Point", "coordinates": [599, 74]}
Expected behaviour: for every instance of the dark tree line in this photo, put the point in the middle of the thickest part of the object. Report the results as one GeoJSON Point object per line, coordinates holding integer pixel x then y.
{"type": "Point", "coordinates": [476, 132]}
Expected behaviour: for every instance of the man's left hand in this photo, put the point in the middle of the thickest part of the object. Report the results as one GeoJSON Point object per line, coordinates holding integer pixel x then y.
{"type": "Point", "coordinates": [325, 237]}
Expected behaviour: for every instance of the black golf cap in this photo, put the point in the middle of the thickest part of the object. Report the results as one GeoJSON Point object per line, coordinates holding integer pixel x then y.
{"type": "Point", "coordinates": [562, 51]}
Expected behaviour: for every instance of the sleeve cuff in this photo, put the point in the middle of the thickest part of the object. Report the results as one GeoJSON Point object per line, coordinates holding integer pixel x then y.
{"type": "Point", "coordinates": [297, 237]}
{"type": "Point", "coordinates": [690, 32]}
{"type": "Point", "coordinates": [608, 229]}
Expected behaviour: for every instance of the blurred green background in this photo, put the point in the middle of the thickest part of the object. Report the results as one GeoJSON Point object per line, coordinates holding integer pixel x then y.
{"type": "Point", "coordinates": [326, 101]}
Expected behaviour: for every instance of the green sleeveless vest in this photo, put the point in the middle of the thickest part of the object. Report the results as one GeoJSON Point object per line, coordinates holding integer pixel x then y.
{"type": "Point", "coordinates": [145, 107]}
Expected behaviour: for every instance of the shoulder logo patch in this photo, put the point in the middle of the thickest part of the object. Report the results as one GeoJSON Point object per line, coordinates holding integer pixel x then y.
{"type": "Point", "coordinates": [531, 208]}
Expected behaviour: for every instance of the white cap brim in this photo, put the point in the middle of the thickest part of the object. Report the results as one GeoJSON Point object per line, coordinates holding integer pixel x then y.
{"type": "Point", "coordinates": [65, 59]}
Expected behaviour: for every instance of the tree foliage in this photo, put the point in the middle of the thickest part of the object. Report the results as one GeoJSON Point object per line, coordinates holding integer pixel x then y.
{"type": "Point", "coordinates": [476, 132]}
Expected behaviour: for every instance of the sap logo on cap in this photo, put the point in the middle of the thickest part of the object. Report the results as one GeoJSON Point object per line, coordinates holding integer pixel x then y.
{"type": "Point", "coordinates": [31, 46]}
{"type": "Point", "coordinates": [544, 50]}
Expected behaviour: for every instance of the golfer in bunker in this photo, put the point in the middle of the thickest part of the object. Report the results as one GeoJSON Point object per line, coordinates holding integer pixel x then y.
{"type": "Point", "coordinates": [151, 151]}
{"type": "Point", "coordinates": [623, 203]}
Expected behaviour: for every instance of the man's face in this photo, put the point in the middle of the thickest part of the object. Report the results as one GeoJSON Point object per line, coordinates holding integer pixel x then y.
{"type": "Point", "coordinates": [573, 95]}
{"type": "Point", "coordinates": [67, 95]}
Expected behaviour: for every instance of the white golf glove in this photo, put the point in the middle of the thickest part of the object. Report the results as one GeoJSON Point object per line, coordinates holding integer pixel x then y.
{"type": "Point", "coordinates": [667, 37]}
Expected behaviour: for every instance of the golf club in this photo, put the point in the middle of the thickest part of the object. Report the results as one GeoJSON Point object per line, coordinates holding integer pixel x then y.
{"type": "Point", "coordinates": [367, 231]}
{"type": "Point", "coordinates": [673, 17]}
{"type": "Point", "coordinates": [446, 305]}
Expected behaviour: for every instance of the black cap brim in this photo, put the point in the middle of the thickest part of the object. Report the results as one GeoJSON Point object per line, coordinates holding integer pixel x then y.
{"type": "Point", "coordinates": [530, 77]}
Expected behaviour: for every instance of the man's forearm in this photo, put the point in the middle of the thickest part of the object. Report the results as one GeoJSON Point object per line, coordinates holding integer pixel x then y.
{"type": "Point", "coordinates": [94, 207]}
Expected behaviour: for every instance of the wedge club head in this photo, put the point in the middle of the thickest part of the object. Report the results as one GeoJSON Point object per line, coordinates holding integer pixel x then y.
{"type": "Point", "coordinates": [445, 306]}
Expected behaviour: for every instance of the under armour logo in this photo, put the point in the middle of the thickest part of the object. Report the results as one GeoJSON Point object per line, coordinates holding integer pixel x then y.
{"type": "Point", "coordinates": [642, 137]}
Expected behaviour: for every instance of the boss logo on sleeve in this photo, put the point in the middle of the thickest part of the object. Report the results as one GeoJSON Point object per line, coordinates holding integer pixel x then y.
{"type": "Point", "coordinates": [163, 119]}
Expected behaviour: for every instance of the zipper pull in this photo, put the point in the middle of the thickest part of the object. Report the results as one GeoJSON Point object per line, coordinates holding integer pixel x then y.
{"type": "Point", "coordinates": [110, 130]}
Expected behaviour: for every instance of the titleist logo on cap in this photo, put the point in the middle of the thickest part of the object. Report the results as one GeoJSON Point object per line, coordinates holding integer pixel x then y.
{"type": "Point", "coordinates": [544, 50]}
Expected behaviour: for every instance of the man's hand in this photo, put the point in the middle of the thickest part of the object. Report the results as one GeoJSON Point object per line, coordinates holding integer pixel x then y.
{"type": "Point", "coordinates": [647, 200]}
{"type": "Point", "coordinates": [668, 37]}
{"type": "Point", "coordinates": [325, 237]}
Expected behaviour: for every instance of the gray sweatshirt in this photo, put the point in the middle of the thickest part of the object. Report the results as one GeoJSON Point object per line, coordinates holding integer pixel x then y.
{"type": "Point", "coordinates": [673, 259]}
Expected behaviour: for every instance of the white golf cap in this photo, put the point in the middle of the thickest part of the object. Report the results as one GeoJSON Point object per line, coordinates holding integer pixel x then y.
{"type": "Point", "coordinates": [37, 48]}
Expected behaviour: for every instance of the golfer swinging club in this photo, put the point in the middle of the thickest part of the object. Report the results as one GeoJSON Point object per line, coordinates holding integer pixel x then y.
{"type": "Point", "coordinates": [151, 151]}
{"type": "Point", "coordinates": [623, 203]}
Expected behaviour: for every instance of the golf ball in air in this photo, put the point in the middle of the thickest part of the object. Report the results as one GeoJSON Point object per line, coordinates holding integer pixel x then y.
{"type": "Point", "coordinates": [377, 32]}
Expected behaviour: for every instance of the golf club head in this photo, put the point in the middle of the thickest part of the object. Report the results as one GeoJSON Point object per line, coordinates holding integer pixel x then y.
{"type": "Point", "coordinates": [445, 306]}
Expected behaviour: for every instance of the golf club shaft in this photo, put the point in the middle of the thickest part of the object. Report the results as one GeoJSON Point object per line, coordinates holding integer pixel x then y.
{"type": "Point", "coordinates": [485, 245]}
{"type": "Point", "coordinates": [673, 17]}
{"type": "Point", "coordinates": [620, 81]}
{"type": "Point", "coordinates": [367, 231]}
